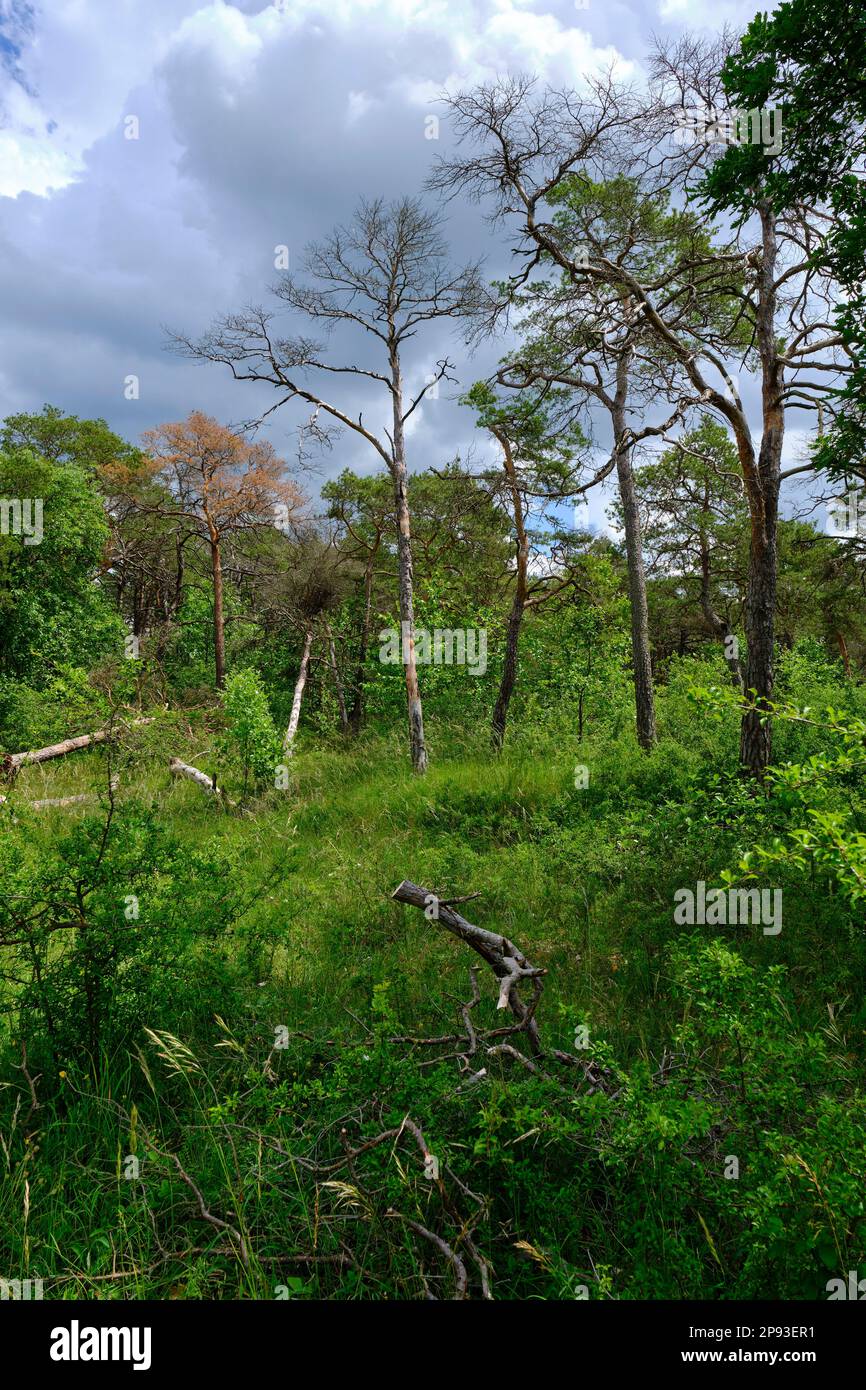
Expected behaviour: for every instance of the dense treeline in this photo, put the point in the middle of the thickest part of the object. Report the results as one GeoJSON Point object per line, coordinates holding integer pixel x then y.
{"type": "Point", "coordinates": [232, 1067]}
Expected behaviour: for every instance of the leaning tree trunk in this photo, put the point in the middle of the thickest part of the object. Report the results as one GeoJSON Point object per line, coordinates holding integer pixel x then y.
{"type": "Point", "coordinates": [640, 645]}
{"type": "Point", "coordinates": [762, 490]}
{"type": "Point", "coordinates": [518, 605]}
{"type": "Point", "coordinates": [219, 640]}
{"type": "Point", "coordinates": [404, 542]}
{"type": "Point", "coordinates": [298, 696]}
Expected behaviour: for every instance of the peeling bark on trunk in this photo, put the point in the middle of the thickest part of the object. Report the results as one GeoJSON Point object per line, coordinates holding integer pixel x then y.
{"type": "Point", "coordinates": [404, 541]}
{"type": "Point", "coordinates": [295, 715]}
{"type": "Point", "coordinates": [640, 645]}
{"type": "Point", "coordinates": [518, 605]}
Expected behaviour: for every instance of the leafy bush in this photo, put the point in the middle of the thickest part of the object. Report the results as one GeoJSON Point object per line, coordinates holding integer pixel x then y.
{"type": "Point", "coordinates": [251, 737]}
{"type": "Point", "coordinates": [104, 930]}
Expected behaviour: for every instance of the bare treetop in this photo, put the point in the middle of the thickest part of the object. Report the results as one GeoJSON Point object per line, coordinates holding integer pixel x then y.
{"type": "Point", "coordinates": [525, 139]}
{"type": "Point", "coordinates": [386, 271]}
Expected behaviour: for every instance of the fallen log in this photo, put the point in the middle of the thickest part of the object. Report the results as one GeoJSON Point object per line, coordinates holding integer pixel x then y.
{"type": "Point", "coordinates": [47, 801]}
{"type": "Point", "coordinates": [13, 762]}
{"type": "Point", "coordinates": [506, 960]}
{"type": "Point", "coordinates": [50, 801]}
{"type": "Point", "coordinates": [207, 784]}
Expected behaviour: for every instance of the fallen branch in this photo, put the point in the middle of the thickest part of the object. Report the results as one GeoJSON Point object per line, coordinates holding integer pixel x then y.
{"type": "Point", "coordinates": [48, 802]}
{"type": "Point", "coordinates": [461, 1278]}
{"type": "Point", "coordinates": [207, 784]}
{"type": "Point", "coordinates": [13, 762]}
{"type": "Point", "coordinates": [510, 967]}
{"type": "Point", "coordinates": [506, 960]}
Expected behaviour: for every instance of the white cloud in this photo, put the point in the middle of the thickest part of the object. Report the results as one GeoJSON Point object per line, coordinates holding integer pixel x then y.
{"type": "Point", "coordinates": [78, 68]}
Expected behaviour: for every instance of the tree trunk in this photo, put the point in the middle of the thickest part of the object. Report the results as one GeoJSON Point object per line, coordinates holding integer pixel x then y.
{"type": "Point", "coordinates": [640, 646]}
{"type": "Point", "coordinates": [717, 624]}
{"type": "Point", "coordinates": [201, 779]}
{"type": "Point", "coordinates": [404, 541]}
{"type": "Point", "coordinates": [518, 605]}
{"type": "Point", "coordinates": [756, 734]}
{"type": "Point", "coordinates": [218, 623]}
{"type": "Point", "coordinates": [338, 684]}
{"type": "Point", "coordinates": [356, 716]}
{"type": "Point", "coordinates": [762, 489]}
{"type": "Point", "coordinates": [295, 715]}
{"type": "Point", "coordinates": [10, 763]}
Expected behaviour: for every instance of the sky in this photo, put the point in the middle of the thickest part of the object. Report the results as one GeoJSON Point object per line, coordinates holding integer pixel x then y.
{"type": "Point", "coordinates": [154, 153]}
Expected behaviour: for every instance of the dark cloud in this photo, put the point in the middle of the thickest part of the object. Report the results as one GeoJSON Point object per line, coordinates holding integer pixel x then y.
{"type": "Point", "coordinates": [255, 129]}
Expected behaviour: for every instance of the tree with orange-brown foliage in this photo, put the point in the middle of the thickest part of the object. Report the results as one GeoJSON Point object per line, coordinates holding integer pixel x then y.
{"type": "Point", "coordinates": [214, 482]}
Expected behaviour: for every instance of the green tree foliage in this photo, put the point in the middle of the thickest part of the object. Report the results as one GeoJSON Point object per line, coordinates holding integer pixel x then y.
{"type": "Point", "coordinates": [87, 444]}
{"type": "Point", "coordinates": [251, 735]}
{"type": "Point", "coordinates": [54, 609]}
{"type": "Point", "coordinates": [806, 58]}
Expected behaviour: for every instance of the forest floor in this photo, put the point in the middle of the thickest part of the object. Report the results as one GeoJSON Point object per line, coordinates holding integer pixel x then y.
{"type": "Point", "coordinates": [317, 956]}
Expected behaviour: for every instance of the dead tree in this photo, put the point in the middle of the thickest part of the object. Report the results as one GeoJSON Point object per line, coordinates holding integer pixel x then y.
{"type": "Point", "coordinates": [201, 779]}
{"type": "Point", "coordinates": [386, 273]}
{"type": "Point", "coordinates": [764, 298]}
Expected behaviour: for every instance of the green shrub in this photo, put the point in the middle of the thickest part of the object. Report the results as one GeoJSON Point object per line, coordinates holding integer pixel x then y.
{"type": "Point", "coordinates": [251, 737]}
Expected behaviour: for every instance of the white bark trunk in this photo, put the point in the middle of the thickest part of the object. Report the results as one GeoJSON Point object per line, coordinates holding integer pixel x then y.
{"type": "Point", "coordinates": [295, 715]}
{"type": "Point", "coordinates": [56, 750]}
{"type": "Point", "coordinates": [207, 784]}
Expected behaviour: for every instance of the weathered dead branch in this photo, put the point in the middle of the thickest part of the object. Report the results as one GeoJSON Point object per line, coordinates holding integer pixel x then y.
{"type": "Point", "coordinates": [511, 967]}
{"type": "Point", "coordinates": [506, 960]}
{"type": "Point", "coordinates": [201, 779]}
{"type": "Point", "coordinates": [13, 762]}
